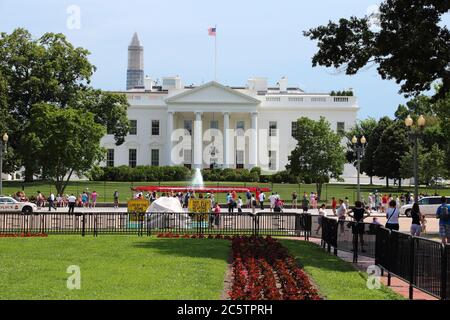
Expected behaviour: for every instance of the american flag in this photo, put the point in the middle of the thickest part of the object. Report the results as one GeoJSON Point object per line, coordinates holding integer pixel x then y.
{"type": "Point", "coordinates": [212, 32]}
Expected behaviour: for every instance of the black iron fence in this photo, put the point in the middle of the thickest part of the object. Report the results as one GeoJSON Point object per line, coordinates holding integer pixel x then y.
{"type": "Point", "coordinates": [423, 263]}
{"type": "Point", "coordinates": [273, 224]}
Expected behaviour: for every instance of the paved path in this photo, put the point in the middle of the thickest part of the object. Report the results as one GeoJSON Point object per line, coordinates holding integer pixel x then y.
{"type": "Point", "coordinates": [397, 285]}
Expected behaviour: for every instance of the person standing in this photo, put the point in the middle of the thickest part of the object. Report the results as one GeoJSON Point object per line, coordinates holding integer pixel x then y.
{"type": "Point", "coordinates": [341, 212]}
{"type": "Point", "coordinates": [254, 204]}
{"type": "Point", "coordinates": [116, 199]}
{"type": "Point", "coordinates": [392, 214]}
{"type": "Point", "coordinates": [333, 205]}
{"type": "Point", "coordinates": [359, 214]}
{"type": "Point", "coordinates": [305, 203]}
{"type": "Point", "coordinates": [322, 215]}
{"type": "Point", "coordinates": [51, 202]}
{"type": "Point", "coordinates": [240, 203]}
{"type": "Point", "coordinates": [417, 219]}
{"type": "Point", "coordinates": [94, 196]}
{"type": "Point", "coordinates": [217, 215]}
{"type": "Point", "coordinates": [443, 214]}
{"type": "Point", "coordinates": [71, 201]}
{"type": "Point", "coordinates": [272, 199]}
{"type": "Point", "coordinates": [248, 195]}
{"type": "Point", "coordinates": [261, 199]}
{"type": "Point", "coordinates": [294, 200]}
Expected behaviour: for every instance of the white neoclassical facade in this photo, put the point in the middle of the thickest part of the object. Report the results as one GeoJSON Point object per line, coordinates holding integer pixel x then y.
{"type": "Point", "coordinates": [213, 125]}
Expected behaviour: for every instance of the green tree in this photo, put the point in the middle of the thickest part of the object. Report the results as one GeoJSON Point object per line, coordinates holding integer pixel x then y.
{"type": "Point", "coordinates": [51, 70]}
{"type": "Point", "coordinates": [393, 145]}
{"type": "Point", "coordinates": [412, 46]}
{"type": "Point", "coordinates": [362, 128]}
{"type": "Point", "coordinates": [67, 141]}
{"type": "Point", "coordinates": [319, 155]}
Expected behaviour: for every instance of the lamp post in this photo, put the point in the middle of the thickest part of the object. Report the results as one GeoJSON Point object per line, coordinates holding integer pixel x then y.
{"type": "Point", "coordinates": [414, 134]}
{"type": "Point", "coordinates": [3, 142]}
{"type": "Point", "coordinates": [359, 147]}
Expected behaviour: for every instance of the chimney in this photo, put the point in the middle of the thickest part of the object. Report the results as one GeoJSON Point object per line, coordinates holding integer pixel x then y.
{"type": "Point", "coordinates": [283, 83]}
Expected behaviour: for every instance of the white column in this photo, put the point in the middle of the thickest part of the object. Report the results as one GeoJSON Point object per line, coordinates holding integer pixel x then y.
{"type": "Point", "coordinates": [253, 159]}
{"type": "Point", "coordinates": [198, 143]}
{"type": "Point", "coordinates": [226, 140]}
{"type": "Point", "coordinates": [169, 145]}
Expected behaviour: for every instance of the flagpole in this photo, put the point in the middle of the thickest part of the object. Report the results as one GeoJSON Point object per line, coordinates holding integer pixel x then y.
{"type": "Point", "coordinates": [215, 55]}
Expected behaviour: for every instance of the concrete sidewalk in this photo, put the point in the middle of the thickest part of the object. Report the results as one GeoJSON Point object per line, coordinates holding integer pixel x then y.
{"type": "Point", "coordinates": [397, 284]}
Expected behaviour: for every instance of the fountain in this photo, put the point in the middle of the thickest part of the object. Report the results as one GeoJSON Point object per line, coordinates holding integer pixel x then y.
{"type": "Point", "coordinates": [197, 180]}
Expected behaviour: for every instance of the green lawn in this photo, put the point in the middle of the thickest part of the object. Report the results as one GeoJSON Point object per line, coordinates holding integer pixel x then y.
{"type": "Point", "coordinates": [106, 189]}
{"type": "Point", "coordinates": [335, 278]}
{"type": "Point", "coordinates": [129, 267]}
{"type": "Point", "coordinates": [112, 267]}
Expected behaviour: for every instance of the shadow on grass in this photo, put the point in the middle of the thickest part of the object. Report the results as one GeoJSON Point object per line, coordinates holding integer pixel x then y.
{"type": "Point", "coordinates": [194, 248]}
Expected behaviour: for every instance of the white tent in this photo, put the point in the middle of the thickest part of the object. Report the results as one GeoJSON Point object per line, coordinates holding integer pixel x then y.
{"type": "Point", "coordinates": [166, 212]}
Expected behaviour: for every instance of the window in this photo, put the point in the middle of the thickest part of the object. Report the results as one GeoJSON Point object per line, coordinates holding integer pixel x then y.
{"type": "Point", "coordinates": [110, 158]}
{"type": "Point", "coordinates": [214, 124]}
{"type": "Point", "coordinates": [155, 157]}
{"type": "Point", "coordinates": [240, 127]}
{"type": "Point", "coordinates": [133, 127]}
{"type": "Point", "coordinates": [132, 158]}
{"type": "Point", "coordinates": [424, 201]}
{"type": "Point", "coordinates": [188, 126]}
{"type": "Point", "coordinates": [294, 129]}
{"type": "Point", "coordinates": [340, 127]}
{"type": "Point", "coordinates": [272, 160]}
{"type": "Point", "coordinates": [239, 159]}
{"type": "Point", "coordinates": [435, 201]}
{"type": "Point", "coordinates": [187, 156]}
{"type": "Point", "coordinates": [155, 127]}
{"type": "Point", "coordinates": [272, 129]}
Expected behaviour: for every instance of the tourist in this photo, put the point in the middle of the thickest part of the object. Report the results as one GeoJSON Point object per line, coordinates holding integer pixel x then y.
{"type": "Point", "coordinates": [261, 199]}
{"type": "Point", "coordinates": [392, 214]}
{"type": "Point", "coordinates": [294, 200]}
{"type": "Point", "coordinates": [333, 205]}
{"type": "Point", "coordinates": [240, 203]}
{"type": "Point", "coordinates": [371, 200]}
{"type": "Point", "coordinates": [229, 202]}
{"type": "Point", "coordinates": [51, 202]}
{"type": "Point", "coordinates": [85, 199]}
{"type": "Point", "coordinates": [417, 218]}
{"type": "Point", "coordinates": [94, 196]}
{"type": "Point", "coordinates": [341, 212]}
{"type": "Point", "coordinates": [116, 199]}
{"type": "Point", "coordinates": [322, 215]}
{"type": "Point", "coordinates": [272, 199]}
{"type": "Point", "coordinates": [359, 214]}
{"type": "Point", "coordinates": [217, 215]}
{"type": "Point", "coordinates": [443, 214]}
{"type": "Point", "coordinates": [384, 203]}
{"type": "Point", "coordinates": [305, 203]}
{"type": "Point", "coordinates": [278, 205]}
{"type": "Point", "coordinates": [254, 203]}
{"type": "Point", "coordinates": [375, 221]}
{"type": "Point", "coordinates": [59, 200]}
{"type": "Point", "coordinates": [248, 195]}
{"type": "Point", "coordinates": [71, 201]}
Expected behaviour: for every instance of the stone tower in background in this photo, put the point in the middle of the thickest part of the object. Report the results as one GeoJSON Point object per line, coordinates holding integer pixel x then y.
{"type": "Point", "coordinates": [135, 71]}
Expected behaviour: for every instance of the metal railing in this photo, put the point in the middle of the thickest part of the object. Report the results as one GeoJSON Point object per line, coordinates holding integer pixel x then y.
{"type": "Point", "coordinates": [262, 223]}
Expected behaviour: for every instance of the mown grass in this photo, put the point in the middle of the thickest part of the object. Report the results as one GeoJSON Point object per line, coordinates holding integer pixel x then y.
{"type": "Point", "coordinates": [335, 278]}
{"type": "Point", "coordinates": [106, 189]}
{"type": "Point", "coordinates": [113, 267]}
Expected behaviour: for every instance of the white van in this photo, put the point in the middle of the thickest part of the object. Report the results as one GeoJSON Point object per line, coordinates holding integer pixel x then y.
{"type": "Point", "coordinates": [428, 206]}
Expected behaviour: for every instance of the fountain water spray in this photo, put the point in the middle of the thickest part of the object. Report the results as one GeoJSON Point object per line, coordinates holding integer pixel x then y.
{"type": "Point", "coordinates": [197, 180]}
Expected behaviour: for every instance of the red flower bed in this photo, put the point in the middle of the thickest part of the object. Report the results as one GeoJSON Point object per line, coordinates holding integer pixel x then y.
{"type": "Point", "coordinates": [264, 270]}
{"type": "Point", "coordinates": [23, 235]}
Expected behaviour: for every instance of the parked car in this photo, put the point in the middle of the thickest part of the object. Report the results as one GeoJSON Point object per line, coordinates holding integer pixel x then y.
{"type": "Point", "coordinates": [8, 204]}
{"type": "Point", "coordinates": [427, 205]}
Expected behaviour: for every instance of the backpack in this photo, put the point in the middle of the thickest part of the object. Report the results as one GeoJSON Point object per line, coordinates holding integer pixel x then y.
{"type": "Point", "coordinates": [444, 213]}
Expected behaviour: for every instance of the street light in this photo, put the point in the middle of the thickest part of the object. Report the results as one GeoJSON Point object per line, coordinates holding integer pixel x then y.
{"type": "Point", "coordinates": [359, 149]}
{"type": "Point", "coordinates": [414, 135]}
{"type": "Point", "coordinates": [3, 142]}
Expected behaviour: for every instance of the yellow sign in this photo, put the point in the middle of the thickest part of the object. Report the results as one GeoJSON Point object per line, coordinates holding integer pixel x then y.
{"type": "Point", "coordinates": [199, 205]}
{"type": "Point", "coordinates": [138, 206]}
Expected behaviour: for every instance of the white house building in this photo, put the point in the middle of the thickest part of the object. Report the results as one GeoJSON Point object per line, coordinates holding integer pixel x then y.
{"type": "Point", "coordinates": [213, 125]}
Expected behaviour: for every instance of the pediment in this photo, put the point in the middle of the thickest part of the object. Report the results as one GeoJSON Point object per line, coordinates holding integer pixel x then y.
{"type": "Point", "coordinates": [212, 93]}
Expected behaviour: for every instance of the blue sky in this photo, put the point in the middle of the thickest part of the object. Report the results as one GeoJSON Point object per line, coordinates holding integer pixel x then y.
{"type": "Point", "coordinates": [255, 38]}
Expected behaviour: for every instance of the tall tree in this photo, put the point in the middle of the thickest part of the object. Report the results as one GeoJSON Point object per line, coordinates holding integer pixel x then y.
{"type": "Point", "coordinates": [412, 46]}
{"type": "Point", "coordinates": [67, 140]}
{"type": "Point", "coordinates": [51, 70]}
{"type": "Point", "coordinates": [319, 155]}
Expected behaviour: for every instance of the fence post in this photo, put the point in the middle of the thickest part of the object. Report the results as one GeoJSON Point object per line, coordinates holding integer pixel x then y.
{"type": "Point", "coordinates": [355, 246]}
{"type": "Point", "coordinates": [444, 272]}
{"type": "Point", "coordinates": [412, 269]}
{"type": "Point", "coordinates": [83, 225]}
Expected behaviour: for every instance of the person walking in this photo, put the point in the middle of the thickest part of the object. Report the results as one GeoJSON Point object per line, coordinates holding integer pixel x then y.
{"type": "Point", "coordinates": [51, 202]}
{"type": "Point", "coordinates": [322, 215]}
{"type": "Point", "coordinates": [392, 214]}
{"type": "Point", "coordinates": [116, 199]}
{"type": "Point", "coordinates": [240, 203]}
{"type": "Point", "coordinates": [443, 214]}
{"type": "Point", "coordinates": [417, 219]}
{"type": "Point", "coordinates": [94, 196]}
{"type": "Point", "coordinates": [305, 203]}
{"type": "Point", "coordinates": [71, 201]}
{"type": "Point", "coordinates": [261, 199]}
{"type": "Point", "coordinates": [254, 204]}
{"type": "Point", "coordinates": [272, 199]}
{"type": "Point", "coordinates": [294, 200]}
